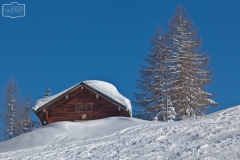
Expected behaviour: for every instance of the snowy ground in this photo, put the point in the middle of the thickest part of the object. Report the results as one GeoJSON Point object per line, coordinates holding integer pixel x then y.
{"type": "Point", "coordinates": [214, 138]}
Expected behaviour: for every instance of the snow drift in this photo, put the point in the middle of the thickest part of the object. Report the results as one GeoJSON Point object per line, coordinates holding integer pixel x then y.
{"type": "Point", "coordinates": [214, 137]}
{"type": "Point", "coordinates": [65, 131]}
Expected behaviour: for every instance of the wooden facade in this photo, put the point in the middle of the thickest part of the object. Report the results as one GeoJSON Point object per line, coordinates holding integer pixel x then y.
{"type": "Point", "coordinates": [79, 105]}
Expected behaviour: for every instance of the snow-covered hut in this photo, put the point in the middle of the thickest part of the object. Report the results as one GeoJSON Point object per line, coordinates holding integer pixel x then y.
{"type": "Point", "coordinates": [87, 100]}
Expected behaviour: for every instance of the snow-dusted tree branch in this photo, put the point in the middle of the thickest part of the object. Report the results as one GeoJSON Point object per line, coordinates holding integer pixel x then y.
{"type": "Point", "coordinates": [15, 114]}
{"type": "Point", "coordinates": [155, 80]}
{"type": "Point", "coordinates": [10, 106]}
{"type": "Point", "coordinates": [175, 73]}
{"type": "Point", "coordinates": [27, 119]}
{"type": "Point", "coordinates": [193, 73]}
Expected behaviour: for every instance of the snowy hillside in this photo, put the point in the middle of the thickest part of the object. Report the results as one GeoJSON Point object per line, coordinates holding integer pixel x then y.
{"type": "Point", "coordinates": [216, 137]}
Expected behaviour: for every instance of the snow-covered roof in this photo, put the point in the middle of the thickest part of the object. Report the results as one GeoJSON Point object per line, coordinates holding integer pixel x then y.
{"type": "Point", "coordinates": [109, 91]}
{"type": "Point", "coordinates": [41, 102]}
{"type": "Point", "coordinates": [102, 88]}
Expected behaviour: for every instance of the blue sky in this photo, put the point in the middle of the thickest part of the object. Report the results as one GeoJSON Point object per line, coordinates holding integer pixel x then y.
{"type": "Point", "coordinates": [61, 43]}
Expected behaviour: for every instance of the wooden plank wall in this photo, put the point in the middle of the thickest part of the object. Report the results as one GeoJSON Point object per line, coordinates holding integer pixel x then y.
{"type": "Point", "coordinates": [64, 109]}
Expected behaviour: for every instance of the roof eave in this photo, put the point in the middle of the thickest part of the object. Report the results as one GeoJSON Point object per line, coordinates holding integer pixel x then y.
{"type": "Point", "coordinates": [57, 98]}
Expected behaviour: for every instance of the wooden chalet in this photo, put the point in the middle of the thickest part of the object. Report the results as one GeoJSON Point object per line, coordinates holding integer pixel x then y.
{"type": "Point", "coordinates": [88, 100]}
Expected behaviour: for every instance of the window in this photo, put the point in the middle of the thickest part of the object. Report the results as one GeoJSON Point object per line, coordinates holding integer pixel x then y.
{"type": "Point", "coordinates": [84, 107]}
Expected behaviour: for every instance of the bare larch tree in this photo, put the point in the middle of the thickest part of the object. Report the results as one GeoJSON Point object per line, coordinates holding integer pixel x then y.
{"type": "Point", "coordinates": [10, 117]}
{"type": "Point", "coordinates": [193, 73]}
{"type": "Point", "coordinates": [27, 117]}
{"type": "Point", "coordinates": [154, 83]}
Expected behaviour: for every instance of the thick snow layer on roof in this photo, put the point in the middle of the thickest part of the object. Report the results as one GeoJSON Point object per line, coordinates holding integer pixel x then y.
{"type": "Point", "coordinates": [104, 88]}
{"type": "Point", "coordinates": [110, 91]}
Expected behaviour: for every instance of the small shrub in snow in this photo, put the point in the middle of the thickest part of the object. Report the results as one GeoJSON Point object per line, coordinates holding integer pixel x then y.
{"type": "Point", "coordinates": [47, 92]}
{"type": "Point", "coordinates": [167, 115]}
{"type": "Point", "coordinates": [155, 119]}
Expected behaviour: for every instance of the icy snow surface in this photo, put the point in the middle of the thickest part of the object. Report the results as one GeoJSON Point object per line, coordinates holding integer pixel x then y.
{"type": "Point", "coordinates": [215, 137]}
{"type": "Point", "coordinates": [105, 88]}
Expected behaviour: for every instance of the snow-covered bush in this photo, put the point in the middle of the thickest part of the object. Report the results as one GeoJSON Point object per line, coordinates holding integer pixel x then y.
{"type": "Point", "coordinates": [189, 113]}
{"type": "Point", "coordinates": [167, 115]}
{"type": "Point", "coordinates": [155, 118]}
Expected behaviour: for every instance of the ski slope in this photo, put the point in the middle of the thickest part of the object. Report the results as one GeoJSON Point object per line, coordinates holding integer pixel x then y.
{"type": "Point", "coordinates": [215, 137]}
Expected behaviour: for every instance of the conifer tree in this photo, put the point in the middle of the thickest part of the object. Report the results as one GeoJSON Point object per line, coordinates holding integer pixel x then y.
{"type": "Point", "coordinates": [154, 82]}
{"type": "Point", "coordinates": [15, 115]}
{"type": "Point", "coordinates": [192, 68]}
{"type": "Point", "coordinates": [27, 119]}
{"type": "Point", "coordinates": [47, 92]}
{"type": "Point", "coordinates": [176, 74]}
{"type": "Point", "coordinates": [11, 104]}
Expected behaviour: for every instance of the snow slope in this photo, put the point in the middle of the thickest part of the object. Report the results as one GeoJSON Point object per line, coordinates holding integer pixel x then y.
{"type": "Point", "coordinates": [208, 138]}
{"type": "Point", "coordinates": [65, 131]}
